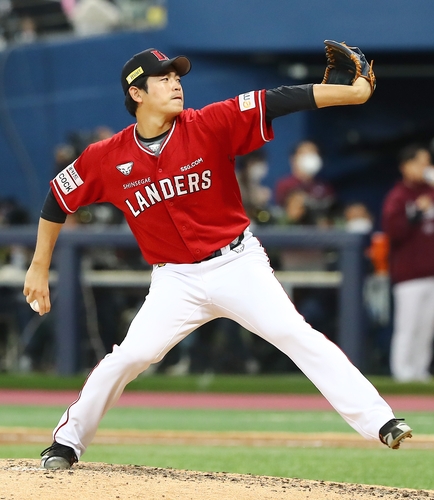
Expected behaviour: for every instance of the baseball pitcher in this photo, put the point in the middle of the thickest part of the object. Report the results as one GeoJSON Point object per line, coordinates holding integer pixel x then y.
{"type": "Point", "coordinates": [172, 174]}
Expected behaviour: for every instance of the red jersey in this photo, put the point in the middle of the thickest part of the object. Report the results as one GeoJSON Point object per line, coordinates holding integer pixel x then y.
{"type": "Point", "coordinates": [184, 203]}
{"type": "Point", "coordinates": [411, 244]}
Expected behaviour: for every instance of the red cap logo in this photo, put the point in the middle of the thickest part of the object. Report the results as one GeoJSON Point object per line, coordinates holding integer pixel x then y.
{"type": "Point", "coordinates": [159, 55]}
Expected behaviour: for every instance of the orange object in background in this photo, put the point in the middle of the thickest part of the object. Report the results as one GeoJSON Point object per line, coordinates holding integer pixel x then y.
{"type": "Point", "coordinates": [379, 251]}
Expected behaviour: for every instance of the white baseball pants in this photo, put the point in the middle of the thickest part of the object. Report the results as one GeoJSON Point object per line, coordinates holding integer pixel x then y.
{"type": "Point", "coordinates": [239, 285]}
{"type": "Point", "coordinates": [413, 333]}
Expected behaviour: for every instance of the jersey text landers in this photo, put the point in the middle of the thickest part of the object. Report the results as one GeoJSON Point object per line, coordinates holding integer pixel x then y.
{"type": "Point", "coordinates": [168, 188]}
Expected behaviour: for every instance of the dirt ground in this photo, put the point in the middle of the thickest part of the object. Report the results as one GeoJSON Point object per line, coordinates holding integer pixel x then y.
{"type": "Point", "coordinates": [23, 479]}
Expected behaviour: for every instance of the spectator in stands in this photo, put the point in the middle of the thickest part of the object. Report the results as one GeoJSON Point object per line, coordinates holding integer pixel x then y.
{"type": "Point", "coordinates": [26, 32]}
{"type": "Point", "coordinates": [28, 20]}
{"type": "Point", "coordinates": [305, 161]}
{"type": "Point", "coordinates": [358, 218]}
{"type": "Point", "coordinates": [408, 220]}
{"type": "Point", "coordinates": [94, 17]}
{"type": "Point", "coordinates": [251, 171]}
{"type": "Point", "coordinates": [297, 210]}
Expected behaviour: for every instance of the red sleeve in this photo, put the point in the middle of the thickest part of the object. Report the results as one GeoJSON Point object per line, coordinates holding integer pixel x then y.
{"type": "Point", "coordinates": [80, 183]}
{"type": "Point", "coordinates": [239, 123]}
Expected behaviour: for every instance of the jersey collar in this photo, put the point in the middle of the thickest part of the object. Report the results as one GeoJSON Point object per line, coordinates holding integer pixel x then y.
{"type": "Point", "coordinates": [163, 145]}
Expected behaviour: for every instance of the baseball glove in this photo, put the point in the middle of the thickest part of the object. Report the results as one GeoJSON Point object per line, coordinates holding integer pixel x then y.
{"type": "Point", "coordinates": [345, 64]}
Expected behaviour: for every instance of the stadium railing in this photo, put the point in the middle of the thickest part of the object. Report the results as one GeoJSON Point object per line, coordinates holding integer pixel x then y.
{"type": "Point", "coordinates": [67, 277]}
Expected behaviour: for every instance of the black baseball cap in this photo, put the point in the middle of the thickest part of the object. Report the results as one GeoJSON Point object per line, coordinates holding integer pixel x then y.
{"type": "Point", "coordinates": [151, 62]}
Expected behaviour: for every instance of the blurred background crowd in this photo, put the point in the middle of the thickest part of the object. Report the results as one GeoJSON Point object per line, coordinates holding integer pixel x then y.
{"type": "Point", "coordinates": [25, 21]}
{"type": "Point", "coordinates": [297, 186]}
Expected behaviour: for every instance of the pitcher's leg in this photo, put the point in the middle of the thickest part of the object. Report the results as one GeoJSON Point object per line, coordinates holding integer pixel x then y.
{"type": "Point", "coordinates": [101, 391]}
{"type": "Point", "coordinates": [171, 311]}
{"type": "Point", "coordinates": [257, 301]}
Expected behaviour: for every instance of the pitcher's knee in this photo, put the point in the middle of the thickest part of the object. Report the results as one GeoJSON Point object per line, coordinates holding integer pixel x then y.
{"type": "Point", "coordinates": [137, 360]}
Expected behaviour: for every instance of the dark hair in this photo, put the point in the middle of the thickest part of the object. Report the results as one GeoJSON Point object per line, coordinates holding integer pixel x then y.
{"type": "Point", "coordinates": [410, 152]}
{"type": "Point", "coordinates": [294, 148]}
{"type": "Point", "coordinates": [130, 103]}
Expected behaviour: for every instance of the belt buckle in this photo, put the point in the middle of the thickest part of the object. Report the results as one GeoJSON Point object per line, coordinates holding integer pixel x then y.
{"type": "Point", "coordinates": [236, 241]}
{"type": "Point", "coordinates": [227, 248]}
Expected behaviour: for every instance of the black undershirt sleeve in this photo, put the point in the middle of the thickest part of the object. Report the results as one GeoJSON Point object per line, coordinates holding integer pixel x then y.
{"type": "Point", "coordinates": [285, 100]}
{"type": "Point", "coordinates": [51, 210]}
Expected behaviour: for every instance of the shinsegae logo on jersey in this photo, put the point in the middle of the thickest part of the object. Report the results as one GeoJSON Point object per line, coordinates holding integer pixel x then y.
{"type": "Point", "coordinates": [170, 187]}
{"type": "Point", "coordinates": [125, 168]}
{"type": "Point", "coordinates": [247, 101]}
{"type": "Point", "coordinates": [68, 179]}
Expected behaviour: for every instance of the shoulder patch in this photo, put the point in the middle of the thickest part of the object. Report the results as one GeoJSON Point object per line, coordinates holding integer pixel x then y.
{"type": "Point", "coordinates": [68, 179]}
{"type": "Point", "coordinates": [247, 101]}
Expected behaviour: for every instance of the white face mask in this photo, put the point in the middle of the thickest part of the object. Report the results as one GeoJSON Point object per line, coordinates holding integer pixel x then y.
{"type": "Point", "coordinates": [361, 225]}
{"type": "Point", "coordinates": [310, 163]}
{"type": "Point", "coordinates": [258, 171]}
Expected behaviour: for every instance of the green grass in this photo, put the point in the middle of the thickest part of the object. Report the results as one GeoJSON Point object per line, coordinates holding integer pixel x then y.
{"type": "Point", "coordinates": [272, 384]}
{"type": "Point", "coordinates": [400, 469]}
{"type": "Point", "coordinates": [202, 419]}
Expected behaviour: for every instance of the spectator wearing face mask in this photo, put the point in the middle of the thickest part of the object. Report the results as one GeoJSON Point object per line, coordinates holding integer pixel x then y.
{"type": "Point", "coordinates": [251, 171]}
{"type": "Point", "coordinates": [358, 218]}
{"type": "Point", "coordinates": [305, 162]}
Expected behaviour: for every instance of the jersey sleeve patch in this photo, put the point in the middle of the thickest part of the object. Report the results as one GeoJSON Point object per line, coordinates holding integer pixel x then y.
{"type": "Point", "coordinates": [68, 179]}
{"type": "Point", "coordinates": [247, 101]}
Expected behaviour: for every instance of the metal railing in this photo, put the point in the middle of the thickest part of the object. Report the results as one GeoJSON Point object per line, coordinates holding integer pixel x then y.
{"type": "Point", "coordinates": [349, 278]}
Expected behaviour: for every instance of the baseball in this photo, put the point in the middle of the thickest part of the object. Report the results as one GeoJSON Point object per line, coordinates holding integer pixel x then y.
{"type": "Point", "coordinates": [35, 306]}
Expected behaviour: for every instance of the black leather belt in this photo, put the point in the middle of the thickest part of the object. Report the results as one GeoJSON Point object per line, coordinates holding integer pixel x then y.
{"type": "Point", "coordinates": [232, 245]}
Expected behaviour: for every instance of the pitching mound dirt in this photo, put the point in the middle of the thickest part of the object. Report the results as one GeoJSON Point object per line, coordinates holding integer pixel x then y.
{"type": "Point", "coordinates": [23, 479]}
